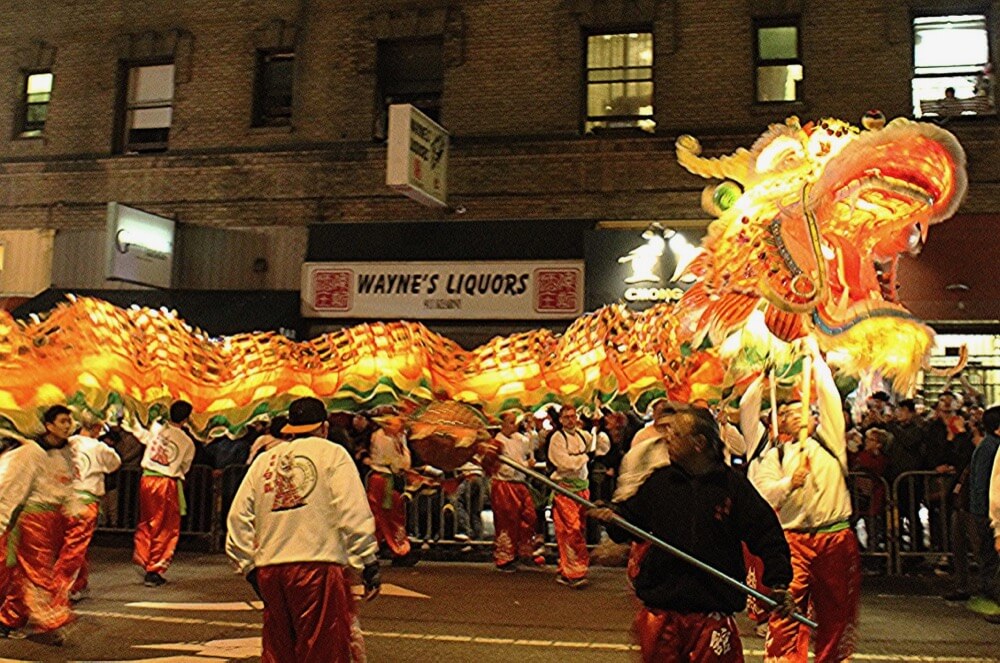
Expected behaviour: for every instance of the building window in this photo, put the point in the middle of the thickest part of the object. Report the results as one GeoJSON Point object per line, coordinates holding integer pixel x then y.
{"type": "Point", "coordinates": [149, 105]}
{"type": "Point", "coordinates": [272, 96]}
{"type": "Point", "coordinates": [620, 81]}
{"type": "Point", "coordinates": [778, 62]}
{"type": "Point", "coordinates": [410, 71]}
{"type": "Point", "coordinates": [37, 94]}
{"type": "Point", "coordinates": [952, 74]}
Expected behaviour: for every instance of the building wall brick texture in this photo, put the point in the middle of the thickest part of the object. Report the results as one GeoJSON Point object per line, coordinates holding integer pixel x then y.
{"type": "Point", "coordinates": [513, 100]}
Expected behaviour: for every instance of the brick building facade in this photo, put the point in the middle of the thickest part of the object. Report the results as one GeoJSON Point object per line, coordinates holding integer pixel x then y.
{"type": "Point", "coordinates": [512, 90]}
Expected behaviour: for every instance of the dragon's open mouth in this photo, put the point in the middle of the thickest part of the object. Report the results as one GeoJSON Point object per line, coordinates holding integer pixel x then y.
{"type": "Point", "coordinates": [874, 201]}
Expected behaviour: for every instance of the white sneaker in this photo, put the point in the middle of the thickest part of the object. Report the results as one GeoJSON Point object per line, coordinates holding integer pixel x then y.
{"type": "Point", "coordinates": [76, 597]}
{"type": "Point", "coordinates": [461, 537]}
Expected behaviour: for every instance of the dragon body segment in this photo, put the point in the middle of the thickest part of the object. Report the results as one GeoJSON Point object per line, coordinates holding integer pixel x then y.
{"type": "Point", "coordinates": [811, 220]}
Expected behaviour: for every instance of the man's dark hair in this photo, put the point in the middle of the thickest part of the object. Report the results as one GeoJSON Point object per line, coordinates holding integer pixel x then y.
{"type": "Point", "coordinates": [908, 404]}
{"type": "Point", "coordinates": [180, 411]}
{"type": "Point", "coordinates": [53, 412]}
{"type": "Point", "coordinates": [705, 425]}
{"type": "Point", "coordinates": [991, 419]}
{"type": "Point", "coordinates": [881, 396]}
{"type": "Point", "coordinates": [277, 424]}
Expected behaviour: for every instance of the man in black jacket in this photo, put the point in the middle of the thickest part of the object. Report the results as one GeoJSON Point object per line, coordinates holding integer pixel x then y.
{"type": "Point", "coordinates": [705, 509]}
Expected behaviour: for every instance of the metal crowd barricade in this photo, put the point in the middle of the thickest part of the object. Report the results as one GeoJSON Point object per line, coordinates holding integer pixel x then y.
{"type": "Point", "coordinates": [871, 504]}
{"type": "Point", "coordinates": [922, 505]}
{"type": "Point", "coordinates": [120, 507]}
{"type": "Point", "coordinates": [433, 515]}
{"type": "Point", "coordinates": [912, 522]}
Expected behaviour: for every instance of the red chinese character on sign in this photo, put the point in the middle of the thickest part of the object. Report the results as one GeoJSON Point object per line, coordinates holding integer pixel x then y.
{"type": "Point", "coordinates": [416, 168]}
{"type": "Point", "coordinates": [557, 290]}
{"type": "Point", "coordinates": [332, 289]}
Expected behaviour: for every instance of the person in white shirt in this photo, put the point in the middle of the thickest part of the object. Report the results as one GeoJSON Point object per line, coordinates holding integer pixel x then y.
{"type": "Point", "coordinates": [37, 480]}
{"type": "Point", "coordinates": [299, 524]}
{"type": "Point", "coordinates": [389, 458]}
{"type": "Point", "coordinates": [92, 459]}
{"type": "Point", "coordinates": [513, 507]}
{"type": "Point", "coordinates": [805, 482]}
{"type": "Point", "coordinates": [166, 460]}
{"type": "Point", "coordinates": [568, 449]}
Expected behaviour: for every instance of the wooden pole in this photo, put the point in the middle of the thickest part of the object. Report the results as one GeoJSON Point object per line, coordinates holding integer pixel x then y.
{"type": "Point", "coordinates": [656, 541]}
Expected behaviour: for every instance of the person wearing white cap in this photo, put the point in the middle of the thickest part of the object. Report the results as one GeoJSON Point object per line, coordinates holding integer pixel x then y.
{"type": "Point", "coordinates": [299, 524]}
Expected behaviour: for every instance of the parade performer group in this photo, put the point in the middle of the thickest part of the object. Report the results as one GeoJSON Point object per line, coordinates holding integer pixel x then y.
{"type": "Point", "coordinates": [800, 216]}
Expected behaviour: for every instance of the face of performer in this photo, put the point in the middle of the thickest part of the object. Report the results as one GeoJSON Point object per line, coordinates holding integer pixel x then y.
{"type": "Point", "coordinates": [508, 423]}
{"type": "Point", "coordinates": [61, 428]}
{"type": "Point", "coordinates": [568, 418]}
{"type": "Point", "coordinates": [789, 418]}
{"type": "Point", "coordinates": [684, 446]}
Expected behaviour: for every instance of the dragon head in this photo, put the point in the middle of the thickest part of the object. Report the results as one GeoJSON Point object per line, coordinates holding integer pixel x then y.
{"type": "Point", "coordinates": [812, 220]}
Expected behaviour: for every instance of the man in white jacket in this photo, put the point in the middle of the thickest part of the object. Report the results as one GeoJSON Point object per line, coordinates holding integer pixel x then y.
{"type": "Point", "coordinates": [166, 460]}
{"type": "Point", "coordinates": [804, 479]}
{"type": "Point", "coordinates": [92, 459]}
{"type": "Point", "coordinates": [299, 523]}
{"type": "Point", "coordinates": [37, 483]}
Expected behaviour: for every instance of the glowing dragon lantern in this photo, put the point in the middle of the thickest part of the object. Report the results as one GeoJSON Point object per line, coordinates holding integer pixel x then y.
{"type": "Point", "coordinates": [811, 222]}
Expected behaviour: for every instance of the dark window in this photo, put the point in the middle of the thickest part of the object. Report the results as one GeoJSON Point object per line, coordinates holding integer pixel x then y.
{"type": "Point", "coordinates": [620, 81]}
{"type": "Point", "coordinates": [149, 106]}
{"type": "Point", "coordinates": [272, 97]}
{"type": "Point", "coordinates": [778, 61]}
{"type": "Point", "coordinates": [952, 74]}
{"type": "Point", "coordinates": [37, 94]}
{"type": "Point", "coordinates": [410, 71]}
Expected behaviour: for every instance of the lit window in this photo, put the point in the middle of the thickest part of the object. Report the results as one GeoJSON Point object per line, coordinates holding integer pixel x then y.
{"type": "Point", "coordinates": [778, 64]}
{"type": "Point", "coordinates": [410, 71]}
{"type": "Point", "coordinates": [272, 99]}
{"type": "Point", "coordinates": [149, 106]}
{"type": "Point", "coordinates": [951, 70]}
{"type": "Point", "coordinates": [620, 81]}
{"type": "Point", "coordinates": [37, 94]}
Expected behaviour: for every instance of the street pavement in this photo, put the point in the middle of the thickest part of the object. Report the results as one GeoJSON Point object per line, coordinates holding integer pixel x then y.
{"type": "Point", "coordinates": [456, 612]}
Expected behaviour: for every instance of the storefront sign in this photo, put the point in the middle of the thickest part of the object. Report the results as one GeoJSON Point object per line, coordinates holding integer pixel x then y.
{"type": "Point", "coordinates": [638, 268]}
{"type": "Point", "coordinates": [140, 247]}
{"type": "Point", "coordinates": [439, 290]}
{"type": "Point", "coordinates": [417, 156]}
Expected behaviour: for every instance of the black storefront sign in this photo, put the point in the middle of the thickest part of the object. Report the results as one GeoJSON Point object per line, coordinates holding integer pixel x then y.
{"type": "Point", "coordinates": [635, 267]}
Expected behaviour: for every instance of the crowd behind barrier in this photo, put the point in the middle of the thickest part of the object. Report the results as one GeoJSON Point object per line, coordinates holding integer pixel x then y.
{"type": "Point", "coordinates": [912, 523]}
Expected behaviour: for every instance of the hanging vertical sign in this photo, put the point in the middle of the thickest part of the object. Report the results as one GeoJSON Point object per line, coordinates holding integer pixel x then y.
{"type": "Point", "coordinates": [417, 156]}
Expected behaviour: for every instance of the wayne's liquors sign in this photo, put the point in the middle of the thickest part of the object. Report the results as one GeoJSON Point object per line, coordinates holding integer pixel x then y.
{"type": "Point", "coordinates": [436, 290]}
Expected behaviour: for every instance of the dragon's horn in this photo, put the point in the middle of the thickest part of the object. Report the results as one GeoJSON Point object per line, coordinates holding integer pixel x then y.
{"type": "Point", "coordinates": [735, 166]}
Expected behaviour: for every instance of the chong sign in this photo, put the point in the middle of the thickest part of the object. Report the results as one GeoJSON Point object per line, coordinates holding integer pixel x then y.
{"type": "Point", "coordinates": [441, 290]}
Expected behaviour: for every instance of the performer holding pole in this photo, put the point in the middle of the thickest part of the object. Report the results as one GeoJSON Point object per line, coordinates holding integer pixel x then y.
{"type": "Point", "coordinates": [166, 460]}
{"type": "Point", "coordinates": [708, 509]}
{"type": "Point", "coordinates": [805, 481]}
{"type": "Point", "coordinates": [647, 536]}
